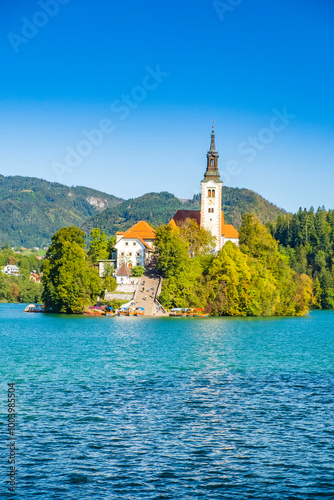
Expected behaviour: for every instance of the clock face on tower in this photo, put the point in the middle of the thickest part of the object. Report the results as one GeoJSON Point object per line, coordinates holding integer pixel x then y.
{"type": "Point", "coordinates": [211, 202]}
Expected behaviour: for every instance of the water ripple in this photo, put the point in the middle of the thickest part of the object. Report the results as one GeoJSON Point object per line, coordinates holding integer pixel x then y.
{"type": "Point", "coordinates": [163, 409]}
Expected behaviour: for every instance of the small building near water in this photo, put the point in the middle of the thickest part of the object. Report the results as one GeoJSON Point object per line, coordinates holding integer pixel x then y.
{"type": "Point", "coordinates": [123, 275]}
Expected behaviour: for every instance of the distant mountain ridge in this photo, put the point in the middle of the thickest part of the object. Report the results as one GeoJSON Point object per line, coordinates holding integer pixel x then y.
{"type": "Point", "coordinates": [32, 210]}
{"type": "Point", "coordinates": [159, 208]}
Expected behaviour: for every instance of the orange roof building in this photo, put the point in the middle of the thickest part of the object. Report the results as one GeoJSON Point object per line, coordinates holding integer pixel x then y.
{"type": "Point", "coordinates": [136, 245]}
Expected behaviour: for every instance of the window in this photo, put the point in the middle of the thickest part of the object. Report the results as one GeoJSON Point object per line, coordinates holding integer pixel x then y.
{"type": "Point", "coordinates": [211, 210]}
{"type": "Point", "coordinates": [134, 243]}
{"type": "Point", "coordinates": [139, 254]}
{"type": "Point", "coordinates": [213, 194]}
{"type": "Point", "coordinates": [130, 254]}
{"type": "Point", "coordinates": [212, 161]}
{"type": "Point", "coordinates": [209, 193]}
{"type": "Point", "coordinates": [122, 254]}
{"type": "Point", "coordinates": [126, 243]}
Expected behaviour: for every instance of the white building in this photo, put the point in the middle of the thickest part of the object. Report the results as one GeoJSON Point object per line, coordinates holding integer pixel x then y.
{"type": "Point", "coordinates": [211, 216]}
{"type": "Point", "coordinates": [135, 246]}
{"type": "Point", "coordinates": [11, 270]}
{"type": "Point", "coordinates": [123, 277]}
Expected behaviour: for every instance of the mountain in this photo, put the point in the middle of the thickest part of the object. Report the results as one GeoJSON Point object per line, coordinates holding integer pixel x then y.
{"type": "Point", "coordinates": [32, 210]}
{"type": "Point", "coordinates": [159, 208]}
{"type": "Point", "coordinates": [155, 208]}
{"type": "Point", "coordinates": [236, 201]}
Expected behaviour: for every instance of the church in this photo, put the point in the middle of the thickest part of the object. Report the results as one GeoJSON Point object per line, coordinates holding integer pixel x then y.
{"type": "Point", "coordinates": [211, 216]}
{"type": "Point", "coordinates": [136, 245]}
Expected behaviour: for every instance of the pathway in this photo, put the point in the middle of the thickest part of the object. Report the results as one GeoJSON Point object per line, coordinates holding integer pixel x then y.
{"type": "Point", "coordinates": [145, 296]}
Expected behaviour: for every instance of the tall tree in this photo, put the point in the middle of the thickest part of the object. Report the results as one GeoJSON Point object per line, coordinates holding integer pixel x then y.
{"type": "Point", "coordinates": [69, 281]}
{"type": "Point", "coordinates": [99, 246]}
{"type": "Point", "coordinates": [200, 240]}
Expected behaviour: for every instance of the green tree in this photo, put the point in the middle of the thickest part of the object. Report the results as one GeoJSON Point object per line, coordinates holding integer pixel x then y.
{"type": "Point", "coordinates": [108, 269]}
{"type": "Point", "coordinates": [69, 281]}
{"type": "Point", "coordinates": [199, 240]}
{"type": "Point", "coordinates": [138, 271]}
{"type": "Point", "coordinates": [172, 252]}
{"type": "Point", "coordinates": [99, 245]}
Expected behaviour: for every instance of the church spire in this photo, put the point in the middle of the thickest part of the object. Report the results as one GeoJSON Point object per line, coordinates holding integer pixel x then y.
{"type": "Point", "coordinates": [213, 142]}
{"type": "Point", "coordinates": [211, 172]}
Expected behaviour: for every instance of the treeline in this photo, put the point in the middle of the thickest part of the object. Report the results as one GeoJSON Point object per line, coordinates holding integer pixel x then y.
{"type": "Point", "coordinates": [307, 239]}
{"type": "Point", "coordinates": [254, 279]}
{"type": "Point", "coordinates": [19, 288]}
{"type": "Point", "coordinates": [70, 275]}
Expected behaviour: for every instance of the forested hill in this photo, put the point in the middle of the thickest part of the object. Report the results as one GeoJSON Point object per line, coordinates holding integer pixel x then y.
{"type": "Point", "coordinates": [307, 238]}
{"type": "Point", "coordinates": [236, 201]}
{"type": "Point", "coordinates": [159, 208]}
{"type": "Point", "coordinates": [32, 210]}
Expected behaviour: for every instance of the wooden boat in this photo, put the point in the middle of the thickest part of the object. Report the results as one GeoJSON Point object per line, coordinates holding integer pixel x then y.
{"type": "Point", "coordinates": [34, 308]}
{"type": "Point", "coordinates": [139, 311]}
{"type": "Point", "coordinates": [95, 311]}
{"type": "Point", "coordinates": [122, 312]}
{"type": "Point", "coordinates": [176, 312]}
{"type": "Point", "coordinates": [189, 312]}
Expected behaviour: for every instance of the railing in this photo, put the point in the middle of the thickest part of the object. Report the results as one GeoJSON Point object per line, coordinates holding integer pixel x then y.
{"type": "Point", "coordinates": [138, 286]}
{"type": "Point", "coordinates": [157, 295]}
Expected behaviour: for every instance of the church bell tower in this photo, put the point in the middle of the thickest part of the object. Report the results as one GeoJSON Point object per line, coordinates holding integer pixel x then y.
{"type": "Point", "coordinates": [211, 201]}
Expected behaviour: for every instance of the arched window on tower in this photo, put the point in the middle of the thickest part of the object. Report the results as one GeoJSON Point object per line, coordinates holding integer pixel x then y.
{"type": "Point", "coordinates": [212, 161]}
{"type": "Point", "coordinates": [213, 193]}
{"type": "Point", "coordinates": [209, 193]}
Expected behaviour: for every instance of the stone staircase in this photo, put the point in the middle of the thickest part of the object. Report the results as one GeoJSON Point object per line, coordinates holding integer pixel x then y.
{"type": "Point", "coordinates": [145, 297]}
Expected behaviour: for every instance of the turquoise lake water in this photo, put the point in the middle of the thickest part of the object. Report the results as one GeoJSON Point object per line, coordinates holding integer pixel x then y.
{"type": "Point", "coordinates": [135, 408]}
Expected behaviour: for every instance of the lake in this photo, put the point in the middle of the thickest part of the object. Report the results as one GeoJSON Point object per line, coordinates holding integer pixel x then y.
{"type": "Point", "coordinates": [170, 408]}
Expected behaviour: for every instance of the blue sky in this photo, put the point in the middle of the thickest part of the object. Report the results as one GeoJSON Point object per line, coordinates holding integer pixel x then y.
{"type": "Point", "coordinates": [262, 70]}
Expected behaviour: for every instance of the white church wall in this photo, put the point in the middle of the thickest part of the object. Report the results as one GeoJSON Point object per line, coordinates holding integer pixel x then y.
{"type": "Point", "coordinates": [211, 209]}
{"type": "Point", "coordinates": [234, 240]}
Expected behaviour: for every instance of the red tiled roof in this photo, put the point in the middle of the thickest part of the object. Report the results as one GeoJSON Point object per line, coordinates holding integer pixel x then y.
{"type": "Point", "coordinates": [143, 230]}
{"type": "Point", "coordinates": [135, 236]}
{"type": "Point", "coordinates": [123, 271]}
{"type": "Point", "coordinates": [182, 215]}
{"type": "Point", "coordinates": [229, 231]}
